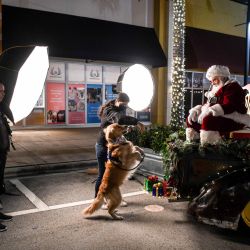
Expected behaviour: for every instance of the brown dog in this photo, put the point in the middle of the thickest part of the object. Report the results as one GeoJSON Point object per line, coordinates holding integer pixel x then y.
{"type": "Point", "coordinates": [124, 157]}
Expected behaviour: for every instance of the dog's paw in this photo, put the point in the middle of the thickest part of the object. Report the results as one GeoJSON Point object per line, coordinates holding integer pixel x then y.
{"type": "Point", "coordinates": [115, 216]}
{"type": "Point", "coordinates": [84, 213]}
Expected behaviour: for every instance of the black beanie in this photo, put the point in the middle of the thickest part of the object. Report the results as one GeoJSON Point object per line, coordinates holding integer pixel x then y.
{"type": "Point", "coordinates": [122, 97]}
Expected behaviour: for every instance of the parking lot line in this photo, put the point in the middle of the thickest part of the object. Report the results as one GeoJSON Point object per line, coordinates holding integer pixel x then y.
{"type": "Point", "coordinates": [30, 195]}
{"type": "Point", "coordinates": [65, 205]}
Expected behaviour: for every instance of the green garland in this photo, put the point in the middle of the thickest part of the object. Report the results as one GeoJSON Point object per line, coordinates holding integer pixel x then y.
{"type": "Point", "coordinates": [157, 138]}
{"type": "Point", "coordinates": [171, 145]}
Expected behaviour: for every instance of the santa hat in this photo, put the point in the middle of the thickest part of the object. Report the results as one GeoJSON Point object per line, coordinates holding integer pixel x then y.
{"type": "Point", "coordinates": [217, 70]}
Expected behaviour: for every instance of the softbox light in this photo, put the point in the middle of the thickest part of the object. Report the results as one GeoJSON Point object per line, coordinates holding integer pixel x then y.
{"type": "Point", "coordinates": [23, 71]}
{"type": "Point", "coordinates": [137, 82]}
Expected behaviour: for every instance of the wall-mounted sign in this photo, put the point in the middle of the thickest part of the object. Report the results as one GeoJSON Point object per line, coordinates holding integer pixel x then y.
{"type": "Point", "coordinates": [111, 74]}
{"type": "Point", "coordinates": [76, 72]}
{"type": "Point", "coordinates": [94, 101]}
{"type": "Point", "coordinates": [93, 74]}
{"type": "Point", "coordinates": [76, 103]}
{"type": "Point", "coordinates": [55, 95]}
{"type": "Point", "coordinates": [56, 72]}
{"type": "Point", "coordinates": [110, 92]}
{"type": "Point", "coordinates": [143, 116]}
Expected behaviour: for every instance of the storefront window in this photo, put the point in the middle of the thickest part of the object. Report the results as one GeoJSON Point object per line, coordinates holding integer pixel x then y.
{"type": "Point", "coordinates": [73, 93]}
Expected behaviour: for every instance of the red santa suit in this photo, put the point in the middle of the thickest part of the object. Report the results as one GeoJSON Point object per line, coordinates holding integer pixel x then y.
{"type": "Point", "coordinates": [225, 111]}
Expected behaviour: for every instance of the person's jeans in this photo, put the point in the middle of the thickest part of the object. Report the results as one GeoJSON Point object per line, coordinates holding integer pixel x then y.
{"type": "Point", "coordinates": [101, 155]}
{"type": "Point", "coordinates": [3, 157]}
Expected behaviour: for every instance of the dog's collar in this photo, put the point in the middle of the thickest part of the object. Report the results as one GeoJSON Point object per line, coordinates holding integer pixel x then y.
{"type": "Point", "coordinates": [118, 163]}
{"type": "Point", "coordinates": [119, 140]}
{"type": "Point", "coordinates": [114, 160]}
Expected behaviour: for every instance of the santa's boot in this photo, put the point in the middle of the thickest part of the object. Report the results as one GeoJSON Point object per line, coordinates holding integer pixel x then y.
{"type": "Point", "coordinates": [210, 137]}
{"type": "Point", "coordinates": [192, 135]}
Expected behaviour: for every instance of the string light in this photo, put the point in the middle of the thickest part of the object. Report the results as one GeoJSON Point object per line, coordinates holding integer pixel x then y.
{"type": "Point", "coordinates": [178, 77]}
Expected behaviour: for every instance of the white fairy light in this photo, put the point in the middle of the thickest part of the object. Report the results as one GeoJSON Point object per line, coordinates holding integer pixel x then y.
{"type": "Point", "coordinates": [177, 111]}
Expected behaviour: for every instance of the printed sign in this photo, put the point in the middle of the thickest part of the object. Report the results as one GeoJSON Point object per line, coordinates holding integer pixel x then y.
{"type": "Point", "coordinates": [55, 93]}
{"type": "Point", "coordinates": [76, 103]}
{"type": "Point", "coordinates": [93, 74]}
{"type": "Point", "coordinates": [143, 116]}
{"type": "Point", "coordinates": [56, 72]}
{"type": "Point", "coordinates": [111, 74]}
{"type": "Point", "coordinates": [76, 72]}
{"type": "Point", "coordinates": [94, 101]}
{"type": "Point", "coordinates": [110, 92]}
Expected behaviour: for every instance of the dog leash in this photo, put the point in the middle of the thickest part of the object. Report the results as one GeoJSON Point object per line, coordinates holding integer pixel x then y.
{"type": "Point", "coordinates": [117, 165]}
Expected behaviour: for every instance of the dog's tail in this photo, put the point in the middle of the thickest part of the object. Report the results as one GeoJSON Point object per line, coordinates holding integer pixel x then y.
{"type": "Point", "coordinates": [95, 205]}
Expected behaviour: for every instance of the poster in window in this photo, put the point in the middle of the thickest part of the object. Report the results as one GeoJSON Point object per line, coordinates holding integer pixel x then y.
{"type": "Point", "coordinates": [197, 80]}
{"type": "Point", "coordinates": [144, 116]}
{"type": "Point", "coordinates": [111, 74]}
{"type": "Point", "coordinates": [94, 74]}
{"type": "Point", "coordinates": [55, 93]}
{"type": "Point", "coordinates": [188, 80]}
{"type": "Point", "coordinates": [56, 72]}
{"type": "Point", "coordinates": [76, 72]}
{"type": "Point", "coordinates": [76, 103]}
{"type": "Point", "coordinates": [110, 92]}
{"type": "Point", "coordinates": [206, 83]}
{"type": "Point", "coordinates": [94, 101]}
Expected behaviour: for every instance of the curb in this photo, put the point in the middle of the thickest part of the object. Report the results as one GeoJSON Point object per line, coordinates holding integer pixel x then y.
{"type": "Point", "coordinates": [27, 170]}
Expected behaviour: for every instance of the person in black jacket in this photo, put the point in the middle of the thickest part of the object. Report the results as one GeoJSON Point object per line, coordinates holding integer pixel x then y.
{"type": "Point", "coordinates": [111, 112]}
{"type": "Point", "coordinates": [5, 133]}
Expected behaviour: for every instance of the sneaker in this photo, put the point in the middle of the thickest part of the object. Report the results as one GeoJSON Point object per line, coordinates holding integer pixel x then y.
{"type": "Point", "coordinates": [104, 206]}
{"type": "Point", "coordinates": [4, 217]}
{"type": "Point", "coordinates": [123, 204]}
{"type": "Point", "coordinates": [3, 228]}
{"type": "Point", "coordinates": [131, 178]}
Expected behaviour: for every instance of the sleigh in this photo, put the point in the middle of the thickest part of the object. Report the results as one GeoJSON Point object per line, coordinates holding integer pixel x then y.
{"type": "Point", "coordinates": [197, 166]}
{"type": "Point", "coordinates": [193, 165]}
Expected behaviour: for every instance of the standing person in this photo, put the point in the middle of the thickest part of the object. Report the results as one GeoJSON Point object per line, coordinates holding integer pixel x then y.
{"type": "Point", "coordinates": [225, 110]}
{"type": "Point", "coordinates": [113, 111]}
{"type": "Point", "coordinates": [5, 133]}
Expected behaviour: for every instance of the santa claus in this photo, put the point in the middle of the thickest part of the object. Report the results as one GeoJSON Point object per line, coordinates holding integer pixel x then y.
{"type": "Point", "coordinates": [224, 111]}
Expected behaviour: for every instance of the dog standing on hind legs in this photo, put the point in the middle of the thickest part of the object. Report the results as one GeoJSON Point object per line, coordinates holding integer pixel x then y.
{"type": "Point", "coordinates": [124, 156]}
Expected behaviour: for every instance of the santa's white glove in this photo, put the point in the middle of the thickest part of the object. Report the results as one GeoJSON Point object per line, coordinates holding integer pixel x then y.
{"type": "Point", "coordinates": [203, 115]}
{"type": "Point", "coordinates": [194, 113]}
{"type": "Point", "coordinates": [193, 116]}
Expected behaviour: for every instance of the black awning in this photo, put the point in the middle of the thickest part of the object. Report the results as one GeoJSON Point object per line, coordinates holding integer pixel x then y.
{"type": "Point", "coordinates": [83, 38]}
{"type": "Point", "coordinates": [204, 48]}
{"type": "Point", "coordinates": [241, 1]}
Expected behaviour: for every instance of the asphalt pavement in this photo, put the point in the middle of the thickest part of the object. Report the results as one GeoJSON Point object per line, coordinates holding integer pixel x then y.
{"type": "Point", "coordinates": [47, 216]}
{"type": "Point", "coordinates": [50, 179]}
